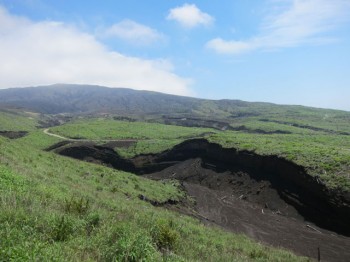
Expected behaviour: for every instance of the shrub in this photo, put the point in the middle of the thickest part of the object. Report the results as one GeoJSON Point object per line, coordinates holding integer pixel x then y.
{"type": "Point", "coordinates": [164, 236]}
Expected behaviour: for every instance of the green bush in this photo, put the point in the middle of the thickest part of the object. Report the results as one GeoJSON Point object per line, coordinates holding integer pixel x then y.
{"type": "Point", "coordinates": [164, 236]}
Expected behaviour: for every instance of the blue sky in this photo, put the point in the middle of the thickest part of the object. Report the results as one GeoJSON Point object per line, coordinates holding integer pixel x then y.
{"type": "Point", "coordinates": [281, 51]}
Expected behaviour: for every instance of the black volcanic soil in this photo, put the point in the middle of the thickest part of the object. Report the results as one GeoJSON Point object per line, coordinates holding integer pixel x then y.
{"type": "Point", "coordinates": [267, 198]}
{"type": "Point", "coordinates": [13, 134]}
{"type": "Point", "coordinates": [237, 203]}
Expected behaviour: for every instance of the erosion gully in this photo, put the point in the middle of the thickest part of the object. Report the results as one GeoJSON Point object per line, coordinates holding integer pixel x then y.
{"type": "Point", "coordinates": [265, 197]}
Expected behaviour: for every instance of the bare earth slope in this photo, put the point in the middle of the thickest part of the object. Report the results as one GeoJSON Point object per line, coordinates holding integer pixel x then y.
{"type": "Point", "coordinates": [275, 223]}
{"type": "Point", "coordinates": [268, 199]}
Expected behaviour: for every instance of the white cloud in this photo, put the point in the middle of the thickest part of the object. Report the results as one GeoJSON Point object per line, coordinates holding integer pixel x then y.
{"type": "Point", "coordinates": [299, 22]}
{"type": "Point", "coordinates": [229, 47]}
{"type": "Point", "coordinates": [190, 16]}
{"type": "Point", "coordinates": [133, 32]}
{"type": "Point", "coordinates": [40, 53]}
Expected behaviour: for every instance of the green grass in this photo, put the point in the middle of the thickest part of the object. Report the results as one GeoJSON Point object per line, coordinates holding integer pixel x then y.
{"type": "Point", "coordinates": [54, 208]}
{"type": "Point", "coordinates": [98, 129]}
{"type": "Point", "coordinates": [254, 125]}
{"type": "Point", "coordinates": [10, 121]}
{"type": "Point", "coordinates": [249, 114]}
{"type": "Point", "coordinates": [337, 121]}
{"type": "Point", "coordinates": [148, 147]}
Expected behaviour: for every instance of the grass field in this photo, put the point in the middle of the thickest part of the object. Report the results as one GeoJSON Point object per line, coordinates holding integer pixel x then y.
{"type": "Point", "coordinates": [17, 122]}
{"type": "Point", "coordinates": [101, 128]}
{"type": "Point", "coordinates": [55, 208]}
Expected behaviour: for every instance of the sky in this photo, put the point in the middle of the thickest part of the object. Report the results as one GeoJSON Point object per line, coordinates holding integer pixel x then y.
{"type": "Point", "coordinates": [280, 51]}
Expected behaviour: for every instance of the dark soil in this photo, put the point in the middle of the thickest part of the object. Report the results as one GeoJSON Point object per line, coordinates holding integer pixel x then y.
{"type": "Point", "coordinates": [266, 197]}
{"type": "Point", "coordinates": [48, 123]}
{"type": "Point", "coordinates": [157, 203]}
{"type": "Point", "coordinates": [53, 120]}
{"type": "Point", "coordinates": [13, 134]}
{"type": "Point", "coordinates": [245, 129]}
{"type": "Point", "coordinates": [232, 200]}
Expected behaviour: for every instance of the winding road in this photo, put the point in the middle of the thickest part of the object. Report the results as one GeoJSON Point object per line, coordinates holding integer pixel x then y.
{"type": "Point", "coordinates": [47, 132]}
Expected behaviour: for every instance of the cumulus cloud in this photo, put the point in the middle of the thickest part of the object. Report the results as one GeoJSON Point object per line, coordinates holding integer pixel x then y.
{"type": "Point", "coordinates": [133, 32]}
{"type": "Point", "coordinates": [189, 16]}
{"type": "Point", "coordinates": [40, 53]}
{"type": "Point", "coordinates": [298, 22]}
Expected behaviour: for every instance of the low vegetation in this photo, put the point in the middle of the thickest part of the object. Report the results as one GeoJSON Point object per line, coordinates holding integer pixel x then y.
{"type": "Point", "coordinates": [13, 121]}
{"type": "Point", "coordinates": [104, 129]}
{"type": "Point", "coordinates": [54, 208]}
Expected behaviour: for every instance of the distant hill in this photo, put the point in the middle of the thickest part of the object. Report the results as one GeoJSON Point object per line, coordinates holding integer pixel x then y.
{"type": "Point", "coordinates": [68, 98]}
{"type": "Point", "coordinates": [64, 98]}
{"type": "Point", "coordinates": [170, 109]}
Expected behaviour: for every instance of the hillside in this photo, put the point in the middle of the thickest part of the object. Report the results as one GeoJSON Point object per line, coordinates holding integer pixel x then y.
{"type": "Point", "coordinates": [55, 208]}
{"type": "Point", "coordinates": [63, 98]}
{"type": "Point", "coordinates": [124, 182]}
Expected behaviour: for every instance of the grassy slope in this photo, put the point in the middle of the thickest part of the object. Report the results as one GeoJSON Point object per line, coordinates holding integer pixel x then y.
{"type": "Point", "coordinates": [17, 122]}
{"type": "Point", "coordinates": [113, 129]}
{"type": "Point", "coordinates": [152, 137]}
{"type": "Point", "coordinates": [236, 110]}
{"type": "Point", "coordinates": [322, 154]}
{"type": "Point", "coordinates": [55, 208]}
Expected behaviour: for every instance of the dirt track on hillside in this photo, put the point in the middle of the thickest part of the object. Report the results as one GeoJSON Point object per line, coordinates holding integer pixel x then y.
{"type": "Point", "coordinates": [112, 143]}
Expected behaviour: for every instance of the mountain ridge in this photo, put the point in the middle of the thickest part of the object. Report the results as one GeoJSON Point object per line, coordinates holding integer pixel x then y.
{"type": "Point", "coordinates": [73, 98]}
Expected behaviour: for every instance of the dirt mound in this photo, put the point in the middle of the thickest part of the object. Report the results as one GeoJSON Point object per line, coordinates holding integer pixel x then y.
{"type": "Point", "coordinates": [265, 197]}
{"type": "Point", "coordinates": [13, 134]}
